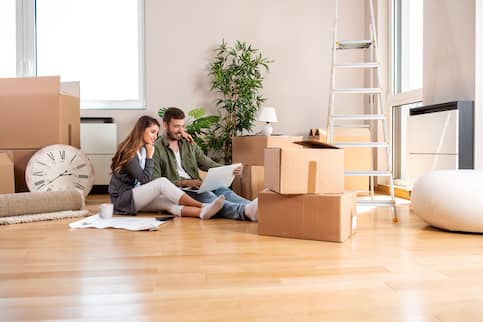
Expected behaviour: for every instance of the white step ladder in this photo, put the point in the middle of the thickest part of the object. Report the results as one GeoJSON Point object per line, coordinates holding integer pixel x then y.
{"type": "Point", "coordinates": [374, 118]}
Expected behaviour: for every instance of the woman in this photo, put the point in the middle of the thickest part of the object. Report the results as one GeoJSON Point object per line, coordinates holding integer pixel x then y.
{"type": "Point", "coordinates": [132, 188]}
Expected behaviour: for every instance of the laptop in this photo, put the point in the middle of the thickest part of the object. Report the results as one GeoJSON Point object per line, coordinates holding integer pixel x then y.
{"type": "Point", "coordinates": [216, 178]}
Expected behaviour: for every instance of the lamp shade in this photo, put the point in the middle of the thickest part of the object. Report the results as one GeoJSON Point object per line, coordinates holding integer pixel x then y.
{"type": "Point", "coordinates": [267, 114]}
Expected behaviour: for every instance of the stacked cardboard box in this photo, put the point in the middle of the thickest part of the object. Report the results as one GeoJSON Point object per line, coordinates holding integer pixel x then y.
{"type": "Point", "coordinates": [249, 150]}
{"type": "Point", "coordinates": [36, 107]}
{"type": "Point", "coordinates": [306, 198]}
{"type": "Point", "coordinates": [354, 158]}
{"type": "Point", "coordinates": [7, 182]}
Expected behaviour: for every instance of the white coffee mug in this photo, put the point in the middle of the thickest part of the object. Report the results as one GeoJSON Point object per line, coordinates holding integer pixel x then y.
{"type": "Point", "coordinates": [106, 210]}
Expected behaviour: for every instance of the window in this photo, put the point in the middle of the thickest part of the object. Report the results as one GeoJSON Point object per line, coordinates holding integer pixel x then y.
{"type": "Point", "coordinates": [99, 43]}
{"type": "Point", "coordinates": [8, 54]}
{"type": "Point", "coordinates": [407, 75]}
{"type": "Point", "coordinates": [408, 45]}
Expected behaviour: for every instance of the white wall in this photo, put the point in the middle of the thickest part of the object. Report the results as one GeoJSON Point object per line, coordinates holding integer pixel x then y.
{"type": "Point", "coordinates": [181, 36]}
{"type": "Point", "coordinates": [449, 51]}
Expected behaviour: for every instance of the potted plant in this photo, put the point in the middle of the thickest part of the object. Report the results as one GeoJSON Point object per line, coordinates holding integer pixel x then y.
{"type": "Point", "coordinates": [237, 76]}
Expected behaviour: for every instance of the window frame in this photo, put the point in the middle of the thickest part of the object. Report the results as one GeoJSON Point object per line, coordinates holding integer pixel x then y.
{"type": "Point", "coordinates": [397, 98]}
{"type": "Point", "coordinates": [27, 56]}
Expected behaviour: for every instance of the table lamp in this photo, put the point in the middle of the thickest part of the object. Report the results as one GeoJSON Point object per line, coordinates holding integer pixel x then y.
{"type": "Point", "coordinates": [267, 115]}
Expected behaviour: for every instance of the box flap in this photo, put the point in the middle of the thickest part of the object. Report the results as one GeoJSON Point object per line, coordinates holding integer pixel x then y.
{"type": "Point", "coordinates": [20, 86]}
{"type": "Point", "coordinates": [314, 144]}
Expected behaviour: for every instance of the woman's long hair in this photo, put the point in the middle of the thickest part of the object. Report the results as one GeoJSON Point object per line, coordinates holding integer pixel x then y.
{"type": "Point", "coordinates": [127, 149]}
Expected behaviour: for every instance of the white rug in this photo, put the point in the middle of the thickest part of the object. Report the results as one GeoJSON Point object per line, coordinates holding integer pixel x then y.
{"type": "Point", "coordinates": [44, 216]}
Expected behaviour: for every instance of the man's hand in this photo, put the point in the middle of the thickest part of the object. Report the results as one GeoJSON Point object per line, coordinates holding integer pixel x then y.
{"type": "Point", "coordinates": [238, 171]}
{"type": "Point", "coordinates": [149, 151]}
{"type": "Point", "coordinates": [187, 137]}
{"type": "Point", "coordinates": [192, 183]}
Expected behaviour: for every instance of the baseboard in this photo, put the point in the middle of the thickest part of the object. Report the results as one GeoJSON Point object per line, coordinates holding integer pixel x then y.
{"type": "Point", "coordinates": [399, 192]}
{"type": "Point", "coordinates": [99, 189]}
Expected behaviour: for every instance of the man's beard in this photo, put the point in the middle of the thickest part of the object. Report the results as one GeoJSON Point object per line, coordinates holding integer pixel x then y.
{"type": "Point", "coordinates": [173, 136]}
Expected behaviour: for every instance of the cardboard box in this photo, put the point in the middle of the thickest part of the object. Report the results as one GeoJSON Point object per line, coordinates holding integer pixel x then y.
{"type": "Point", "coordinates": [20, 160]}
{"type": "Point", "coordinates": [354, 158]}
{"type": "Point", "coordinates": [249, 150]}
{"type": "Point", "coordinates": [7, 180]}
{"type": "Point", "coordinates": [251, 182]}
{"type": "Point", "coordinates": [316, 170]}
{"type": "Point", "coordinates": [37, 107]}
{"type": "Point", "coordinates": [326, 217]}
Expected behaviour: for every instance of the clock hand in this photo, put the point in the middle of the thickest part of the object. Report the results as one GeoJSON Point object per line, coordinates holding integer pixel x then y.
{"type": "Point", "coordinates": [60, 175]}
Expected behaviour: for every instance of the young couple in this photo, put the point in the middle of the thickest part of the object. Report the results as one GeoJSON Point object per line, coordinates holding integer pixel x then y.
{"type": "Point", "coordinates": [147, 172]}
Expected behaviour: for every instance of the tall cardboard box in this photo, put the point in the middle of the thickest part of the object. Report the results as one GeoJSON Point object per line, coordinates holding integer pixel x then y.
{"type": "Point", "coordinates": [326, 217]}
{"type": "Point", "coordinates": [249, 150]}
{"type": "Point", "coordinates": [354, 158]}
{"type": "Point", "coordinates": [251, 182]}
{"type": "Point", "coordinates": [7, 180]}
{"type": "Point", "coordinates": [20, 160]}
{"type": "Point", "coordinates": [37, 107]}
{"type": "Point", "coordinates": [313, 170]}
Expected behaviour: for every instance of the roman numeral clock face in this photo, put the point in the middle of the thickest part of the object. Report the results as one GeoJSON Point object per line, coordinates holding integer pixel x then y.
{"type": "Point", "coordinates": [58, 168]}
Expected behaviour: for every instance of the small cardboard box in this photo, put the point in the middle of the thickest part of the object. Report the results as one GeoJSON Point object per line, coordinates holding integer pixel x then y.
{"type": "Point", "coordinates": [312, 170]}
{"type": "Point", "coordinates": [20, 160]}
{"type": "Point", "coordinates": [7, 179]}
{"type": "Point", "coordinates": [354, 158]}
{"type": "Point", "coordinates": [326, 217]}
{"type": "Point", "coordinates": [249, 150]}
{"type": "Point", "coordinates": [251, 182]}
{"type": "Point", "coordinates": [37, 106]}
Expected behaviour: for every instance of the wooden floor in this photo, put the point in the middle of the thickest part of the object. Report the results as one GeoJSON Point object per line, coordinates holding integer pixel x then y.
{"type": "Point", "coordinates": [221, 270]}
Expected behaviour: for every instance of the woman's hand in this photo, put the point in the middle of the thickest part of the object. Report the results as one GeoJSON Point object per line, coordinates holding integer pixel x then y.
{"type": "Point", "coordinates": [238, 171]}
{"type": "Point", "coordinates": [149, 151]}
{"type": "Point", "coordinates": [187, 137]}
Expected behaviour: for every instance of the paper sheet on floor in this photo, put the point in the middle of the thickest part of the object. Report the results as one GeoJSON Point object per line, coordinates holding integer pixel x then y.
{"type": "Point", "coordinates": [118, 222]}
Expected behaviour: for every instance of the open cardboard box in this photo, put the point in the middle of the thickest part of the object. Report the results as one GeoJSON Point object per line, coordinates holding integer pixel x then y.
{"type": "Point", "coordinates": [354, 158]}
{"type": "Point", "coordinates": [36, 106]}
{"type": "Point", "coordinates": [319, 168]}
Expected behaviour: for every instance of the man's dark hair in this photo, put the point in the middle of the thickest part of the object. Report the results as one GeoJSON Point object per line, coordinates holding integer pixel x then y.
{"type": "Point", "coordinates": [173, 113]}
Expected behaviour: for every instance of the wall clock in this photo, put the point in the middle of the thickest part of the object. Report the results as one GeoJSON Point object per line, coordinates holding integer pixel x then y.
{"type": "Point", "coordinates": [59, 167]}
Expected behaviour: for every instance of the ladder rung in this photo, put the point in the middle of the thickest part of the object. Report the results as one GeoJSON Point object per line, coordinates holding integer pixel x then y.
{"type": "Point", "coordinates": [362, 90]}
{"type": "Point", "coordinates": [361, 144]}
{"type": "Point", "coordinates": [376, 202]}
{"type": "Point", "coordinates": [354, 44]}
{"type": "Point", "coordinates": [358, 117]}
{"type": "Point", "coordinates": [351, 126]}
{"type": "Point", "coordinates": [358, 65]}
{"type": "Point", "coordinates": [368, 173]}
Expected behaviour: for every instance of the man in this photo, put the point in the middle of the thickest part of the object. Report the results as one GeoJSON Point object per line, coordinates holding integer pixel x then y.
{"type": "Point", "coordinates": [179, 161]}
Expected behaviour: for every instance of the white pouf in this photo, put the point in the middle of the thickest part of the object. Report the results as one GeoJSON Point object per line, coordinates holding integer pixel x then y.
{"type": "Point", "coordinates": [450, 199]}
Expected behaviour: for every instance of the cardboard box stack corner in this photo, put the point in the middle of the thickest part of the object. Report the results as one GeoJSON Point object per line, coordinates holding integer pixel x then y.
{"type": "Point", "coordinates": [249, 150]}
{"type": "Point", "coordinates": [46, 116]}
{"type": "Point", "coordinates": [305, 197]}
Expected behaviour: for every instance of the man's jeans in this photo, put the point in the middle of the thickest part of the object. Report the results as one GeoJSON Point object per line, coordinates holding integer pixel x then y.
{"type": "Point", "coordinates": [233, 208]}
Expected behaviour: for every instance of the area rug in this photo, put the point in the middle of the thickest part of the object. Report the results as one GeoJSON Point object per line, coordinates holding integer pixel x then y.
{"type": "Point", "coordinates": [19, 219]}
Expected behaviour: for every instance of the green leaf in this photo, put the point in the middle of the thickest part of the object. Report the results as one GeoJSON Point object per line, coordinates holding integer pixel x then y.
{"type": "Point", "coordinates": [196, 113]}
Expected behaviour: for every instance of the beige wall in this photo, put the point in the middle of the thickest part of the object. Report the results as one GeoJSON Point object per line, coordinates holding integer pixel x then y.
{"type": "Point", "coordinates": [180, 37]}
{"type": "Point", "coordinates": [449, 51]}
